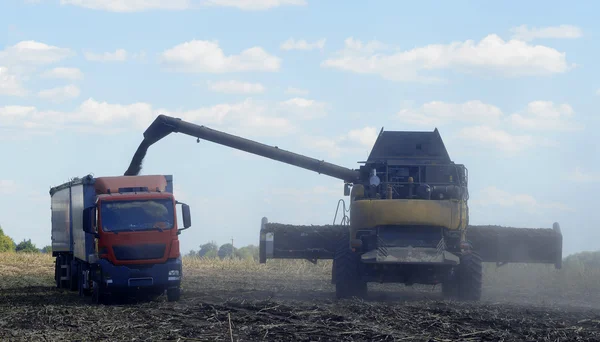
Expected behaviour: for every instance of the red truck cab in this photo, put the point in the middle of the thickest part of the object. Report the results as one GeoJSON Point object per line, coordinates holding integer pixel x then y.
{"type": "Point", "coordinates": [118, 235]}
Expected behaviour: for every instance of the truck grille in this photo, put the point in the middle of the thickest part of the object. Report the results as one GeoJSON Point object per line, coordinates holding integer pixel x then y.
{"type": "Point", "coordinates": [139, 252]}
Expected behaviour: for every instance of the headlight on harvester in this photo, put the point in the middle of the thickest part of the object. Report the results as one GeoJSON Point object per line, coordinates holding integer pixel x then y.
{"type": "Point", "coordinates": [174, 273]}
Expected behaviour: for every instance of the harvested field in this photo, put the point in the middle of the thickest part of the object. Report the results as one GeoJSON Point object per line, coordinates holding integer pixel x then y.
{"type": "Point", "coordinates": [294, 301]}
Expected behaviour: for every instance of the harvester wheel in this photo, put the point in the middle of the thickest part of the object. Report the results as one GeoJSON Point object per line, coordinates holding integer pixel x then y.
{"type": "Point", "coordinates": [470, 277]}
{"type": "Point", "coordinates": [450, 285]}
{"type": "Point", "coordinates": [348, 282]}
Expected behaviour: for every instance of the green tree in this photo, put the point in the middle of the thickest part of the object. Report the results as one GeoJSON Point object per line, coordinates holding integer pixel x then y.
{"type": "Point", "coordinates": [47, 249]}
{"type": "Point", "coordinates": [226, 250]}
{"type": "Point", "coordinates": [26, 246]}
{"type": "Point", "coordinates": [208, 250]}
{"type": "Point", "coordinates": [247, 252]}
{"type": "Point", "coordinates": [7, 244]}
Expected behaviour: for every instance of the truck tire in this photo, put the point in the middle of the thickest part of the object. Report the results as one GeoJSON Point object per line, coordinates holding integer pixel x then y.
{"type": "Point", "coordinates": [173, 294]}
{"type": "Point", "coordinates": [470, 277]}
{"type": "Point", "coordinates": [73, 276]}
{"type": "Point", "coordinates": [99, 295]}
{"type": "Point", "coordinates": [348, 280]}
{"type": "Point", "coordinates": [57, 272]}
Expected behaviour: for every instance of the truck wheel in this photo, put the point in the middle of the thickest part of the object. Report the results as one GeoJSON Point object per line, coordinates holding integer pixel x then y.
{"type": "Point", "coordinates": [73, 277]}
{"type": "Point", "coordinates": [470, 277]}
{"type": "Point", "coordinates": [348, 282]}
{"type": "Point", "coordinates": [99, 295]}
{"type": "Point", "coordinates": [57, 272]}
{"type": "Point", "coordinates": [173, 294]}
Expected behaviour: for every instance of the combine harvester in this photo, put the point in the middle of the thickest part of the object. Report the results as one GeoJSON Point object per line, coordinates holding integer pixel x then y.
{"type": "Point", "coordinates": [115, 236]}
{"type": "Point", "coordinates": [409, 217]}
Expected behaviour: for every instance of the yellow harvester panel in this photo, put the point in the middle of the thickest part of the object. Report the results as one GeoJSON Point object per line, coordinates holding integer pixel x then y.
{"type": "Point", "coordinates": [371, 213]}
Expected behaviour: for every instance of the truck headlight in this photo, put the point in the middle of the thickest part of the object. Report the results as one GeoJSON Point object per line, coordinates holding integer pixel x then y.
{"type": "Point", "coordinates": [174, 273]}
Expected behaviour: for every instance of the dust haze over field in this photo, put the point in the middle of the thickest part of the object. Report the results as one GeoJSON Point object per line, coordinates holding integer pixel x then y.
{"type": "Point", "coordinates": [294, 301]}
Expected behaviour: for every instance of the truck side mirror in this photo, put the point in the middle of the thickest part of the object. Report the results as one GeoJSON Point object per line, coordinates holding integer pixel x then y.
{"type": "Point", "coordinates": [187, 217]}
{"type": "Point", "coordinates": [89, 220]}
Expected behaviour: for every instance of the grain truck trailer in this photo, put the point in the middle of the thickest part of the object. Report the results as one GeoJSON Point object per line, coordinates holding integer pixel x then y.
{"type": "Point", "coordinates": [115, 236]}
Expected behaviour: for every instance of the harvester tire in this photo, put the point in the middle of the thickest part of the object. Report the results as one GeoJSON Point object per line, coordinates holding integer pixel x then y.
{"type": "Point", "coordinates": [470, 277]}
{"type": "Point", "coordinates": [348, 281]}
{"type": "Point", "coordinates": [450, 286]}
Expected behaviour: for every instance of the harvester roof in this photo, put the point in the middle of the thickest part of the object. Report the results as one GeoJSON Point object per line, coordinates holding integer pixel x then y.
{"type": "Point", "coordinates": [413, 146]}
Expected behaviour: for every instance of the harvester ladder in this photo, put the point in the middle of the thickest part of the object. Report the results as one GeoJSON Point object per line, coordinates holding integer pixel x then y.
{"type": "Point", "coordinates": [345, 218]}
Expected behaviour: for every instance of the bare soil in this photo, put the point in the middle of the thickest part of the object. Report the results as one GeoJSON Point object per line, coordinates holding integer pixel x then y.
{"type": "Point", "coordinates": [221, 304]}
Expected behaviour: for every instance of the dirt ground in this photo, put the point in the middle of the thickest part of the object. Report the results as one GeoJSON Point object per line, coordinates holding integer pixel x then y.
{"type": "Point", "coordinates": [225, 304]}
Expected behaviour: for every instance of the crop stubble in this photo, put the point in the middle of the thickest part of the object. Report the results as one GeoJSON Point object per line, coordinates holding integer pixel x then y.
{"type": "Point", "coordinates": [244, 301]}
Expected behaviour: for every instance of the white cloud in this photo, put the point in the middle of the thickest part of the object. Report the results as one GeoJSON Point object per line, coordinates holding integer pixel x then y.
{"type": "Point", "coordinates": [304, 195]}
{"type": "Point", "coordinates": [90, 113]}
{"type": "Point", "coordinates": [558, 32]}
{"type": "Point", "coordinates": [207, 56]}
{"type": "Point", "coordinates": [237, 87]}
{"type": "Point", "coordinates": [129, 5]}
{"type": "Point", "coordinates": [302, 108]}
{"type": "Point", "coordinates": [119, 55]}
{"type": "Point", "coordinates": [10, 84]}
{"type": "Point", "coordinates": [18, 61]}
{"type": "Point", "coordinates": [254, 5]}
{"type": "Point", "coordinates": [497, 138]}
{"type": "Point", "coordinates": [546, 116]}
{"type": "Point", "coordinates": [436, 113]}
{"type": "Point", "coordinates": [292, 44]}
{"type": "Point", "coordinates": [366, 136]}
{"type": "Point", "coordinates": [354, 47]}
{"type": "Point", "coordinates": [584, 176]}
{"type": "Point", "coordinates": [489, 126]}
{"type": "Point", "coordinates": [507, 58]}
{"type": "Point", "coordinates": [598, 91]}
{"type": "Point", "coordinates": [126, 6]}
{"type": "Point", "coordinates": [63, 73]}
{"type": "Point", "coordinates": [298, 91]}
{"type": "Point", "coordinates": [60, 94]}
{"type": "Point", "coordinates": [493, 196]}
{"type": "Point", "coordinates": [7, 187]}
{"type": "Point", "coordinates": [247, 118]}
{"type": "Point", "coordinates": [355, 141]}
{"type": "Point", "coordinates": [33, 53]}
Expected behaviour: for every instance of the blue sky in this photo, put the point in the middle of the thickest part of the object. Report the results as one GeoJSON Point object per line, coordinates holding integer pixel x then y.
{"type": "Point", "coordinates": [512, 87]}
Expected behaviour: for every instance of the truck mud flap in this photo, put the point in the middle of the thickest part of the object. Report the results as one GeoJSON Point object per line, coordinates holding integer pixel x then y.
{"type": "Point", "coordinates": [517, 245]}
{"type": "Point", "coordinates": [285, 241]}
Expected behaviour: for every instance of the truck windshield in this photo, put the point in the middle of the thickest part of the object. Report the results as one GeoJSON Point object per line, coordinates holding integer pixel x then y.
{"type": "Point", "coordinates": [134, 215]}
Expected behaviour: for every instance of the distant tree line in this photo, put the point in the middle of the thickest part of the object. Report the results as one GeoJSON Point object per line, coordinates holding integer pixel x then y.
{"type": "Point", "coordinates": [207, 250]}
{"type": "Point", "coordinates": [212, 250]}
{"type": "Point", "coordinates": [7, 244]}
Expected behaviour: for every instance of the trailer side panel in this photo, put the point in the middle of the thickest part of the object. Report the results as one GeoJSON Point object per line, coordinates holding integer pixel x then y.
{"type": "Point", "coordinates": [61, 221]}
{"type": "Point", "coordinates": [77, 224]}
